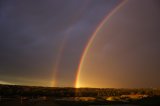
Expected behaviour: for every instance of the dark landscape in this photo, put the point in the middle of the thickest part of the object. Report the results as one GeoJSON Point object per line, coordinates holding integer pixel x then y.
{"type": "Point", "coordinates": [15, 95]}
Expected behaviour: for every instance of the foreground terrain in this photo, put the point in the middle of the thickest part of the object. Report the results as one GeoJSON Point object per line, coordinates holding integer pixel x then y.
{"type": "Point", "coordinates": [13, 95]}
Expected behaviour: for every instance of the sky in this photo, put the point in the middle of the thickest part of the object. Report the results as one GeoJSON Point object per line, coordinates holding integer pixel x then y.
{"type": "Point", "coordinates": [42, 43]}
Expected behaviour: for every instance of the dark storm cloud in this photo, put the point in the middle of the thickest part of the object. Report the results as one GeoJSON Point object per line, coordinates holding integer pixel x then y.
{"type": "Point", "coordinates": [32, 31]}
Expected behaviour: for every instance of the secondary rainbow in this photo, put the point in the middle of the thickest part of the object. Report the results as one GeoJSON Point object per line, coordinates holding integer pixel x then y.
{"type": "Point", "coordinates": [77, 85]}
{"type": "Point", "coordinates": [64, 42]}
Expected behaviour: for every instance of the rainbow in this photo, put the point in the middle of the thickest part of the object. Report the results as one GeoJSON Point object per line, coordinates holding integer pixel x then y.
{"type": "Point", "coordinates": [64, 42]}
{"type": "Point", "coordinates": [107, 17]}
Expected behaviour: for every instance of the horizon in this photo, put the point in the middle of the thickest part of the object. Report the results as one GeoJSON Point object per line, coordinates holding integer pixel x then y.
{"type": "Point", "coordinates": [73, 87]}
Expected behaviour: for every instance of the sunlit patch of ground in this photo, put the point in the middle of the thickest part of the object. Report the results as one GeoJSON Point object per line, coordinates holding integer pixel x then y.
{"type": "Point", "coordinates": [134, 96]}
{"type": "Point", "coordinates": [85, 98]}
{"type": "Point", "coordinates": [125, 98]}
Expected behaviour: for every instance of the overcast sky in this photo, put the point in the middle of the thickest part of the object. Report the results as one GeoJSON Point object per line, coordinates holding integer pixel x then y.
{"type": "Point", "coordinates": [42, 41]}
